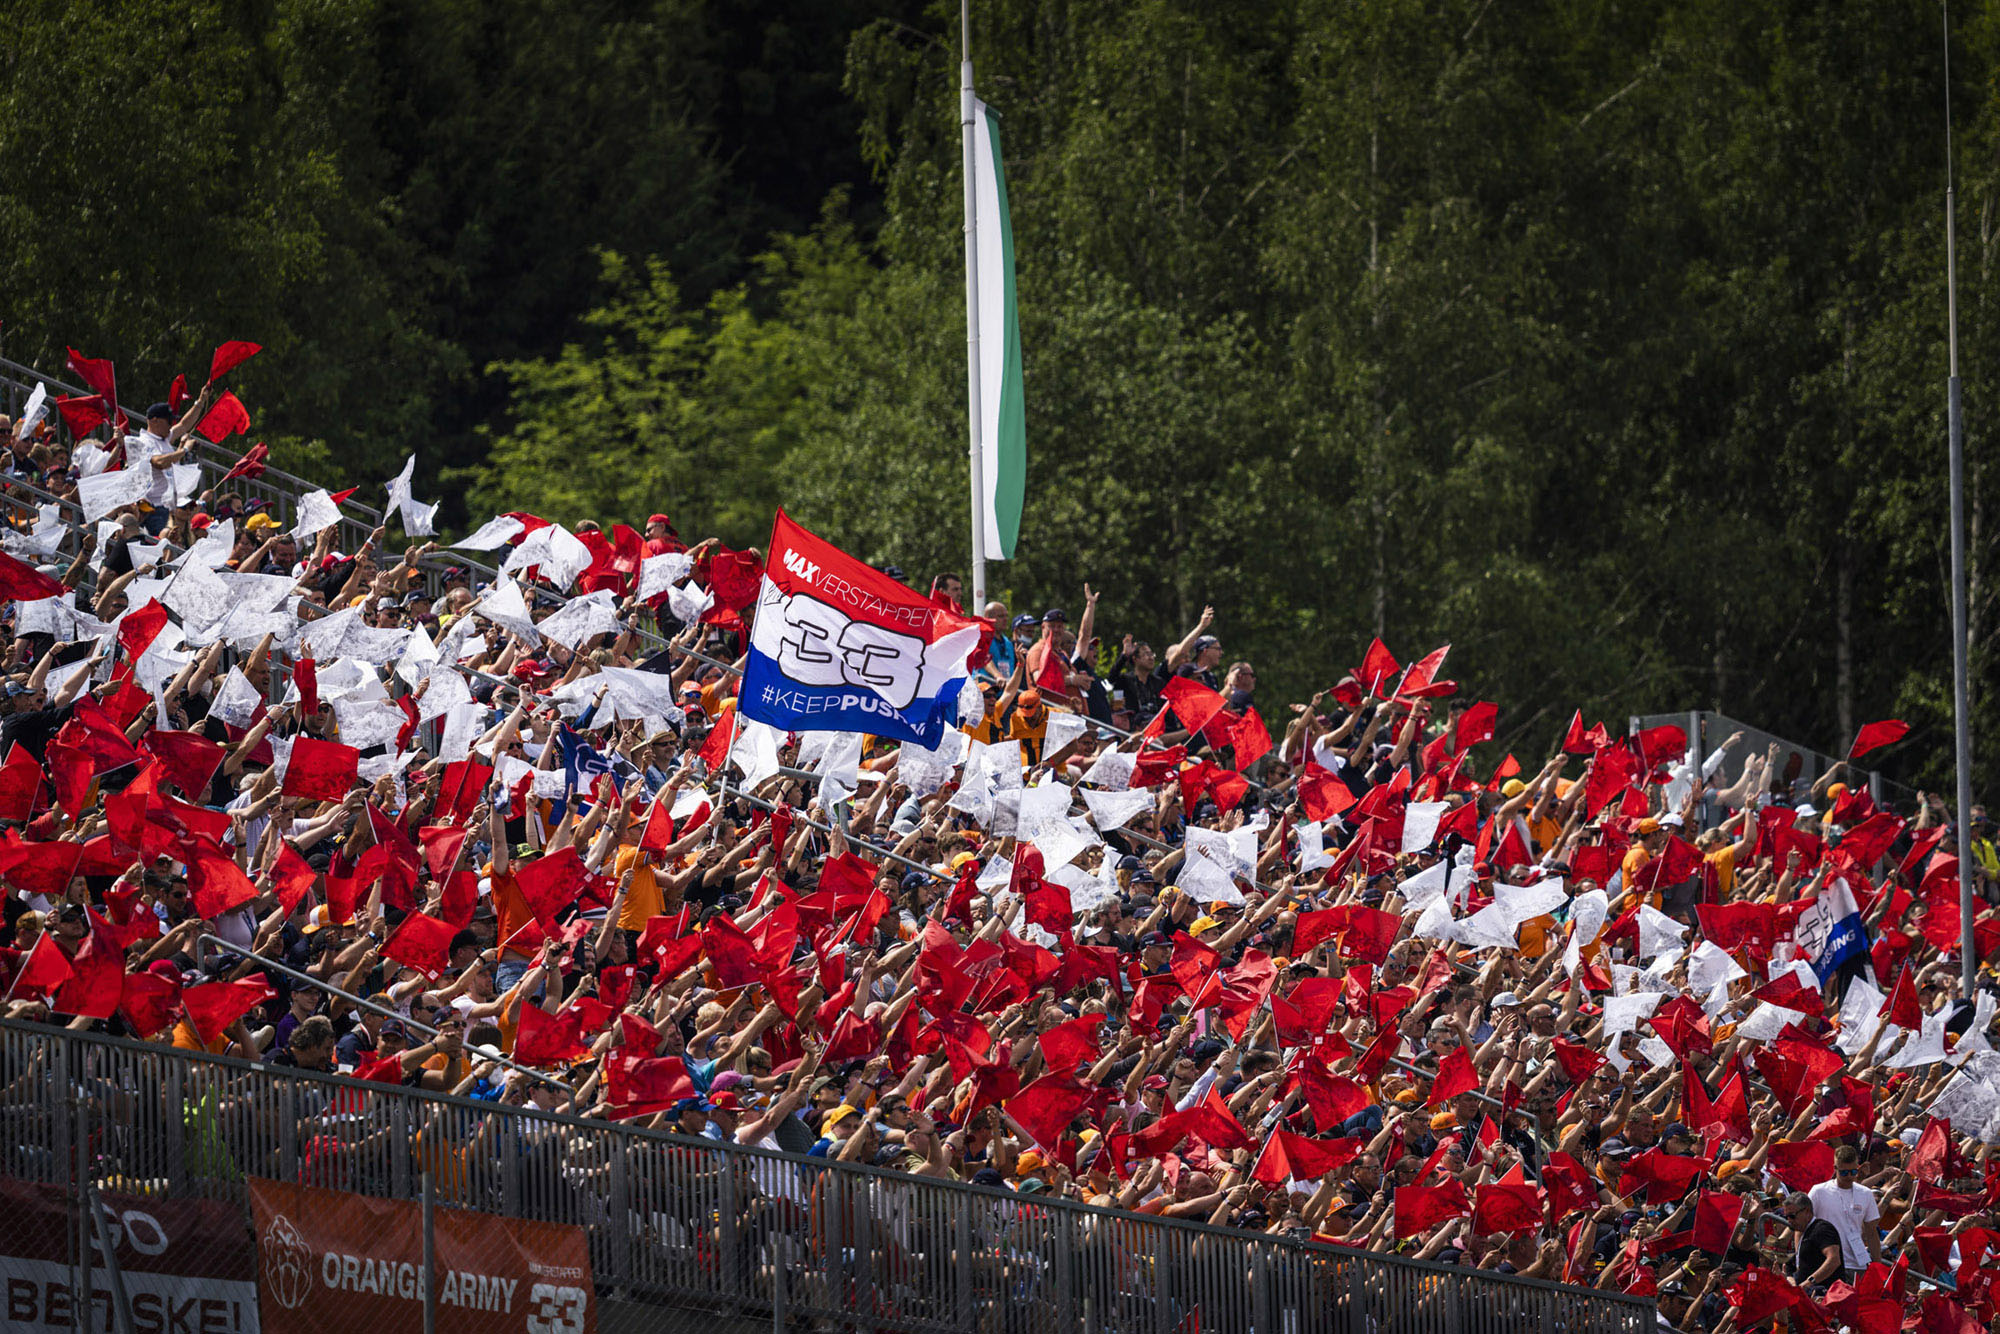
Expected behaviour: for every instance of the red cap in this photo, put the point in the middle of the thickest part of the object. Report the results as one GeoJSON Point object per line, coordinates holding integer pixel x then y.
{"type": "Point", "coordinates": [1154, 1082]}
{"type": "Point", "coordinates": [200, 521]}
{"type": "Point", "coordinates": [726, 1101]}
{"type": "Point", "coordinates": [659, 519]}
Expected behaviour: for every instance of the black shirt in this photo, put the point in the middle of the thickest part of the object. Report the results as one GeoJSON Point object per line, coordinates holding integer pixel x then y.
{"type": "Point", "coordinates": [1819, 1235]}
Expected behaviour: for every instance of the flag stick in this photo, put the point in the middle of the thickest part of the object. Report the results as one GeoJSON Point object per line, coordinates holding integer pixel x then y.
{"type": "Point", "coordinates": [965, 118]}
{"type": "Point", "coordinates": [1960, 691]}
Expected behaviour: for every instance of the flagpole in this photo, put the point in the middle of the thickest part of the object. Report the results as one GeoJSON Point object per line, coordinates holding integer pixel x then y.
{"type": "Point", "coordinates": [966, 129]}
{"type": "Point", "coordinates": [1960, 690]}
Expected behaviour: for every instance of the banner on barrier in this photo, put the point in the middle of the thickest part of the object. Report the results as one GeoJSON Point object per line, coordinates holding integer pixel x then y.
{"type": "Point", "coordinates": [186, 1264]}
{"type": "Point", "coordinates": [330, 1262]}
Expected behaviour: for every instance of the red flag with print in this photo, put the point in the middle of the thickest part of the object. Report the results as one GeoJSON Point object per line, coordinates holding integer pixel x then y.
{"type": "Point", "coordinates": [1505, 1207]}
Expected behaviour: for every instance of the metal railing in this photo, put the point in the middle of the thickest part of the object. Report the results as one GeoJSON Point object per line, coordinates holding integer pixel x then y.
{"type": "Point", "coordinates": [1706, 730]}
{"type": "Point", "coordinates": [744, 1233]}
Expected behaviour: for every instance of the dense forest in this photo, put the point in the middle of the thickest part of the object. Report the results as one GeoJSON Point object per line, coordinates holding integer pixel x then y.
{"type": "Point", "coordinates": [1604, 340]}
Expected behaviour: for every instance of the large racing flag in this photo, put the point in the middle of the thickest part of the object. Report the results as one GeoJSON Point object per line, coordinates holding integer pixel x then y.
{"type": "Point", "coordinates": [840, 647]}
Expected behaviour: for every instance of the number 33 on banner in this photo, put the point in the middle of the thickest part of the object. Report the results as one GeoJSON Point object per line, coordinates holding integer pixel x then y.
{"type": "Point", "coordinates": [556, 1310]}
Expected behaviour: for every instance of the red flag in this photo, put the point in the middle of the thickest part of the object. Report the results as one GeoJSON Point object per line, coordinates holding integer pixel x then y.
{"type": "Point", "coordinates": [442, 844]}
{"type": "Point", "coordinates": [229, 356]}
{"type": "Point", "coordinates": [423, 942]}
{"type": "Point", "coordinates": [639, 1086]}
{"type": "Point", "coordinates": [1666, 1176]}
{"type": "Point", "coordinates": [550, 883]}
{"type": "Point", "coordinates": [224, 419]}
{"type": "Point", "coordinates": [149, 1002]}
{"type": "Point", "coordinates": [20, 784]}
{"type": "Point", "coordinates": [21, 582]}
{"type": "Point", "coordinates": [305, 675]}
{"type": "Point", "coordinates": [189, 758]}
{"type": "Point", "coordinates": [97, 372]}
{"type": "Point", "coordinates": [45, 969]}
{"type": "Point", "coordinates": [659, 832]}
{"type": "Point", "coordinates": [291, 877]}
{"type": "Point", "coordinates": [1249, 740]}
{"type": "Point", "coordinates": [1070, 1044]}
{"type": "Point", "coordinates": [1454, 1076]}
{"type": "Point", "coordinates": [1322, 793]}
{"type": "Point", "coordinates": [1901, 1005]}
{"type": "Point", "coordinates": [1802, 1166]}
{"type": "Point", "coordinates": [213, 1006]}
{"type": "Point", "coordinates": [1507, 1207]}
{"type": "Point", "coordinates": [715, 749]}
{"type": "Point", "coordinates": [1192, 702]}
{"type": "Point", "coordinates": [1760, 1293]}
{"type": "Point", "coordinates": [1046, 1107]}
{"type": "Point", "coordinates": [1578, 1062]}
{"type": "Point", "coordinates": [1377, 666]}
{"type": "Point", "coordinates": [251, 464]}
{"type": "Point", "coordinates": [321, 770]}
{"type": "Point", "coordinates": [1715, 1218]}
{"type": "Point", "coordinates": [1874, 735]}
{"type": "Point", "coordinates": [98, 975]}
{"type": "Point", "coordinates": [216, 883]}
{"type": "Point", "coordinates": [546, 1039]}
{"type": "Point", "coordinates": [1420, 680]}
{"type": "Point", "coordinates": [1475, 725]}
{"type": "Point", "coordinates": [81, 414]}
{"type": "Point", "coordinates": [141, 627]}
{"type": "Point", "coordinates": [1420, 1208]}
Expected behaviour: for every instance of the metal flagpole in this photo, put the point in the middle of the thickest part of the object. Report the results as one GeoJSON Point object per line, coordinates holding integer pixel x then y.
{"type": "Point", "coordinates": [966, 127]}
{"type": "Point", "coordinates": [1960, 690]}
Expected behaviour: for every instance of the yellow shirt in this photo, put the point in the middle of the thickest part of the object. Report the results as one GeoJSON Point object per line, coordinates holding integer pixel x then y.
{"type": "Point", "coordinates": [1723, 859]}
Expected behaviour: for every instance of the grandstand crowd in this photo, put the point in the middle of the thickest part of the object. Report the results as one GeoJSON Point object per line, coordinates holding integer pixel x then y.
{"type": "Point", "coordinates": [1135, 934]}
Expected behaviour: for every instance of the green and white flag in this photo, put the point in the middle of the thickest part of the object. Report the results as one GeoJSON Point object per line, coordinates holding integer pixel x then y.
{"type": "Point", "coordinates": [1003, 429]}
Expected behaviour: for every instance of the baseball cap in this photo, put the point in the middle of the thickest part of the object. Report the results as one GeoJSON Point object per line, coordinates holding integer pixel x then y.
{"type": "Point", "coordinates": [1152, 938]}
{"type": "Point", "coordinates": [1024, 620]}
{"type": "Point", "coordinates": [1206, 641]}
{"type": "Point", "coordinates": [662, 519]}
{"type": "Point", "coordinates": [393, 1028]}
{"type": "Point", "coordinates": [160, 410]}
{"type": "Point", "coordinates": [1056, 614]}
{"type": "Point", "coordinates": [258, 523]}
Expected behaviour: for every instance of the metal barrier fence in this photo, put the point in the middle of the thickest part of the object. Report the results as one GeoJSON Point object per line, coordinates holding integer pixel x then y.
{"type": "Point", "coordinates": [683, 1229]}
{"type": "Point", "coordinates": [1706, 730]}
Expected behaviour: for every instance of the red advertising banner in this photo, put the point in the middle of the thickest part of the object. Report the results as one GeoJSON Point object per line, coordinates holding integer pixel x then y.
{"type": "Point", "coordinates": [186, 1264]}
{"type": "Point", "coordinates": [329, 1262]}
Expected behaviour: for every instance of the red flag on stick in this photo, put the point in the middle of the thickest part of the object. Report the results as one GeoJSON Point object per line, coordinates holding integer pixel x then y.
{"type": "Point", "coordinates": [229, 356]}
{"type": "Point", "coordinates": [1872, 736]}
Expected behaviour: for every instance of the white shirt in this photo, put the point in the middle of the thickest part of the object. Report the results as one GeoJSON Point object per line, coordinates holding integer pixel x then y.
{"type": "Point", "coordinates": [140, 451]}
{"type": "Point", "coordinates": [1847, 1210]}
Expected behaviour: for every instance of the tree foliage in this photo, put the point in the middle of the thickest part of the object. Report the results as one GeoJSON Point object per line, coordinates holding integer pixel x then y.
{"type": "Point", "coordinates": [1606, 342]}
